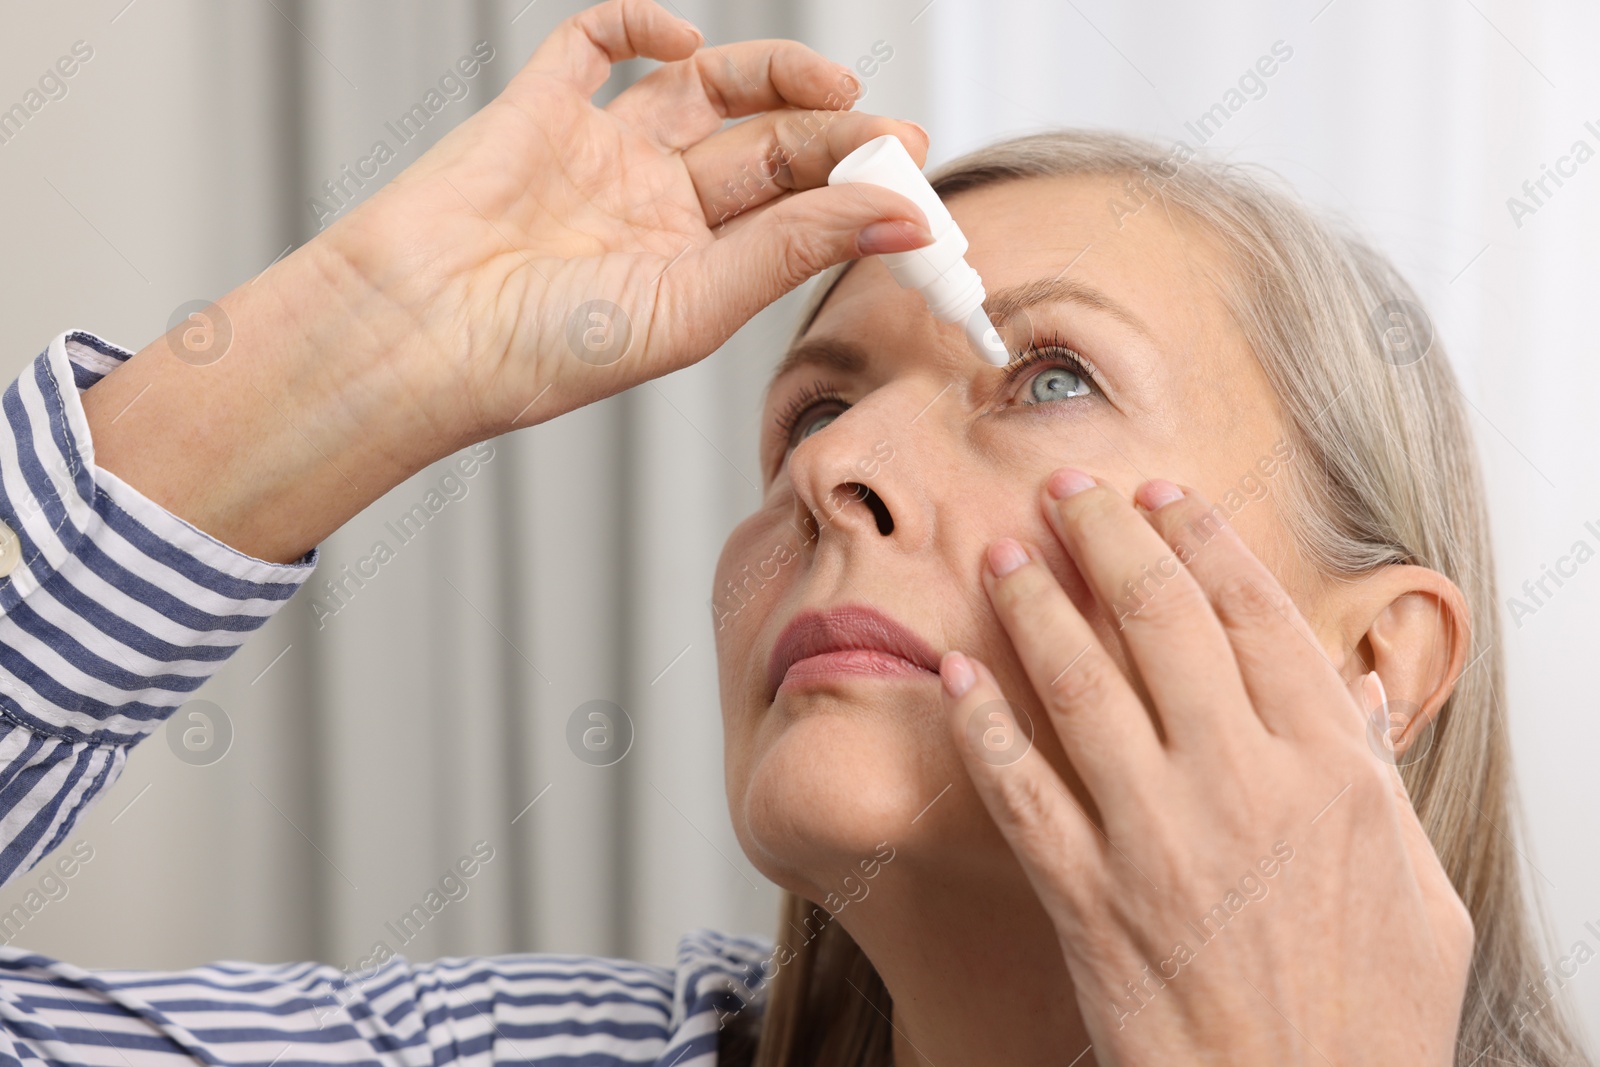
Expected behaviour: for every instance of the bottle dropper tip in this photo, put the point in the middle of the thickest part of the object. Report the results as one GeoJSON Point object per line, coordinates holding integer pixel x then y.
{"type": "Point", "coordinates": [985, 339]}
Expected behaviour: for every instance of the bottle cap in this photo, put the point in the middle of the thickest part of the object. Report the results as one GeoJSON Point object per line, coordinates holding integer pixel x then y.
{"type": "Point", "coordinates": [939, 271]}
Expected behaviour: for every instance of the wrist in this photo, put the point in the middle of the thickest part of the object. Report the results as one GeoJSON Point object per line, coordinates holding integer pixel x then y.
{"type": "Point", "coordinates": [296, 420]}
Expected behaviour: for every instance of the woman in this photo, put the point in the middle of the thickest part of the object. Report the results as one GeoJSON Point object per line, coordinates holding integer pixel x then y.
{"type": "Point", "coordinates": [1076, 764]}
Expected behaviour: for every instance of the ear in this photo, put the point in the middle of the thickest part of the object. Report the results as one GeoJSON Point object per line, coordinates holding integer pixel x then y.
{"type": "Point", "coordinates": [1412, 626]}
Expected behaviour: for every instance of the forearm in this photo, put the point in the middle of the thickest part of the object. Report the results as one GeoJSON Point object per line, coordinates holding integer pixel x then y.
{"type": "Point", "coordinates": [113, 611]}
{"type": "Point", "coordinates": [299, 425]}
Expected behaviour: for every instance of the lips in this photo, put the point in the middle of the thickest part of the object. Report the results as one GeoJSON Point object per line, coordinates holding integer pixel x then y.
{"type": "Point", "coordinates": [846, 640]}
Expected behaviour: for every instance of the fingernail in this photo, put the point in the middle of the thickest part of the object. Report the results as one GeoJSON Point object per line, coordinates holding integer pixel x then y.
{"type": "Point", "coordinates": [878, 238]}
{"type": "Point", "coordinates": [956, 672]}
{"type": "Point", "coordinates": [1378, 709]}
{"type": "Point", "coordinates": [1157, 493]}
{"type": "Point", "coordinates": [1377, 699]}
{"type": "Point", "coordinates": [852, 84]}
{"type": "Point", "coordinates": [1067, 481]}
{"type": "Point", "coordinates": [1005, 556]}
{"type": "Point", "coordinates": [921, 129]}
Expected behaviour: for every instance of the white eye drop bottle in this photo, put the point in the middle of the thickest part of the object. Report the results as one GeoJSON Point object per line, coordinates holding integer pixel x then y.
{"type": "Point", "coordinates": [939, 271]}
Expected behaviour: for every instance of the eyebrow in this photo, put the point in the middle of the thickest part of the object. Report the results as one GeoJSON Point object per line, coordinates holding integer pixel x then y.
{"type": "Point", "coordinates": [1007, 302]}
{"type": "Point", "coordinates": [847, 357]}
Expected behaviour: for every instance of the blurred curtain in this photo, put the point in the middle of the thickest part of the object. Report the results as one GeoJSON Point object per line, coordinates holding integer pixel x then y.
{"type": "Point", "coordinates": [385, 726]}
{"type": "Point", "coordinates": [376, 745]}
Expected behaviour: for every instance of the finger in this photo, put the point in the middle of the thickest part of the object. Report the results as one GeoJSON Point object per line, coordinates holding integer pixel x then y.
{"type": "Point", "coordinates": [582, 48]}
{"type": "Point", "coordinates": [681, 103]}
{"type": "Point", "coordinates": [1280, 659]}
{"type": "Point", "coordinates": [1173, 637]}
{"type": "Point", "coordinates": [1103, 726]}
{"type": "Point", "coordinates": [715, 288]}
{"type": "Point", "coordinates": [758, 160]}
{"type": "Point", "coordinates": [1375, 702]}
{"type": "Point", "coordinates": [1059, 848]}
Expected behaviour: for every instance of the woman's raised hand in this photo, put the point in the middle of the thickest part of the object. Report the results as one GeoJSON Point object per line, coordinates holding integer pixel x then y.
{"type": "Point", "coordinates": [544, 254]}
{"type": "Point", "coordinates": [1245, 881]}
{"type": "Point", "coordinates": [548, 243]}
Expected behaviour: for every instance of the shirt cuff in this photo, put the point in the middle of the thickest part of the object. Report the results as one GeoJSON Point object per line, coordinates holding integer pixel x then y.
{"type": "Point", "coordinates": [117, 609]}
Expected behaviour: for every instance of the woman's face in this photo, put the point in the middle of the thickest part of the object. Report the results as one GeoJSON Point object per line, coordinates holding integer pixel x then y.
{"type": "Point", "coordinates": [837, 742]}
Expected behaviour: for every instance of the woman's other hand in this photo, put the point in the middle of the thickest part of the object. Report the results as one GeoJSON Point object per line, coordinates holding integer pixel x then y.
{"type": "Point", "coordinates": [1245, 881]}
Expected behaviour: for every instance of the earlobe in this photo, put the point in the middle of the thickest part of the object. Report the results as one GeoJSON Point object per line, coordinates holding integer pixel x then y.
{"type": "Point", "coordinates": [1412, 626]}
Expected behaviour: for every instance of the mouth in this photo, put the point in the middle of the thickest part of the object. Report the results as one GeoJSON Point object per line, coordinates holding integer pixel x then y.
{"type": "Point", "coordinates": [847, 640]}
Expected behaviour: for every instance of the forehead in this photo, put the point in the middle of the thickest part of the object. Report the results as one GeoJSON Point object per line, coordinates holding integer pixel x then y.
{"type": "Point", "coordinates": [1150, 259]}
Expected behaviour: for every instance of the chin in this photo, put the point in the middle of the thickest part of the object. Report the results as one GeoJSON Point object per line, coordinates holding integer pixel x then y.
{"type": "Point", "coordinates": [828, 776]}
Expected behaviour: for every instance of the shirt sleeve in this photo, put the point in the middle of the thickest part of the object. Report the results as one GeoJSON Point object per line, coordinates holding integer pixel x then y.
{"type": "Point", "coordinates": [530, 1010]}
{"type": "Point", "coordinates": [113, 611]}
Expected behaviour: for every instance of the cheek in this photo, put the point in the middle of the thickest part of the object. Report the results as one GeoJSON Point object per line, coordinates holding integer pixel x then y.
{"type": "Point", "coordinates": [758, 564]}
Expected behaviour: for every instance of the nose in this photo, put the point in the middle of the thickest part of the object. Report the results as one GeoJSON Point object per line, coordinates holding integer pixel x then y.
{"type": "Point", "coordinates": [845, 482]}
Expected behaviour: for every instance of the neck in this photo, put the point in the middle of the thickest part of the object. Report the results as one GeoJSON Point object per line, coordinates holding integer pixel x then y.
{"type": "Point", "coordinates": [975, 971]}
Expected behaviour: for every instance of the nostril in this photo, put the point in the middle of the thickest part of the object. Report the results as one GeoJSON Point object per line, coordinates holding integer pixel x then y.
{"type": "Point", "coordinates": [875, 504]}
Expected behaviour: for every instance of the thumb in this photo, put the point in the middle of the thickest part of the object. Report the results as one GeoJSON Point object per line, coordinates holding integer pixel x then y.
{"type": "Point", "coordinates": [721, 285]}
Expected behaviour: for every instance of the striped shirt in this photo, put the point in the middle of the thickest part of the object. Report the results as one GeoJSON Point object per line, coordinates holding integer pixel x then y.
{"type": "Point", "coordinates": [116, 613]}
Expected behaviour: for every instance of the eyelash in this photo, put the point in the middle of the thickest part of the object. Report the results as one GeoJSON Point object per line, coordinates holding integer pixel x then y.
{"type": "Point", "coordinates": [1050, 350]}
{"type": "Point", "coordinates": [816, 393]}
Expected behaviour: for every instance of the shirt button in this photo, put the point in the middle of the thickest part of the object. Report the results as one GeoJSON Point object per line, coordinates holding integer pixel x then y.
{"type": "Point", "coordinates": [10, 550]}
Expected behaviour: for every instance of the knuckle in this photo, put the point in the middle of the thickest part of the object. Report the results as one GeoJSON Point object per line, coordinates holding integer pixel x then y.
{"type": "Point", "coordinates": [1029, 804]}
{"type": "Point", "coordinates": [715, 96]}
{"type": "Point", "coordinates": [1188, 884]}
{"type": "Point", "coordinates": [613, 12]}
{"type": "Point", "coordinates": [1192, 525]}
{"type": "Point", "coordinates": [803, 253]}
{"type": "Point", "coordinates": [1244, 601]}
{"type": "Point", "coordinates": [791, 136]}
{"type": "Point", "coordinates": [1166, 607]}
{"type": "Point", "coordinates": [1090, 511]}
{"type": "Point", "coordinates": [1087, 683]}
{"type": "Point", "coordinates": [1023, 590]}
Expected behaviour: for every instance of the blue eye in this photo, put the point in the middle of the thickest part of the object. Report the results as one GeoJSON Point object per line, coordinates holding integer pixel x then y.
{"type": "Point", "coordinates": [811, 410]}
{"type": "Point", "coordinates": [812, 425]}
{"type": "Point", "coordinates": [1056, 383]}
